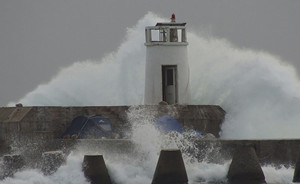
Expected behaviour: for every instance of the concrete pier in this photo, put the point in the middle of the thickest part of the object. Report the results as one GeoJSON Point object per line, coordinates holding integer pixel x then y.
{"type": "Point", "coordinates": [51, 161]}
{"type": "Point", "coordinates": [95, 170]}
{"type": "Point", "coordinates": [49, 122]}
{"type": "Point", "coordinates": [170, 168]}
{"type": "Point", "coordinates": [245, 167]}
{"type": "Point", "coordinates": [12, 164]}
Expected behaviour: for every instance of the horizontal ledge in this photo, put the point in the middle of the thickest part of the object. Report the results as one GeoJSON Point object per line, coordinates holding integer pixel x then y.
{"type": "Point", "coordinates": [167, 43]}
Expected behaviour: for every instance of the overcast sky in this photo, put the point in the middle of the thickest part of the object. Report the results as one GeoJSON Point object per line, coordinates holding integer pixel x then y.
{"type": "Point", "coordinates": [38, 37]}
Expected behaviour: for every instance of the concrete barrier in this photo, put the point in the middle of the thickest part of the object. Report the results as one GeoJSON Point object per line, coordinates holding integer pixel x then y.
{"type": "Point", "coordinates": [51, 161]}
{"type": "Point", "coordinates": [12, 164]}
{"type": "Point", "coordinates": [50, 122]}
{"type": "Point", "coordinates": [296, 177]}
{"type": "Point", "coordinates": [245, 167]}
{"type": "Point", "coordinates": [95, 170]}
{"type": "Point", "coordinates": [170, 168]}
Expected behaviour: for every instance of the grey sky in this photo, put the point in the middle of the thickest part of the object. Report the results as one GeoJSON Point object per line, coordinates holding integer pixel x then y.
{"type": "Point", "coordinates": [38, 37]}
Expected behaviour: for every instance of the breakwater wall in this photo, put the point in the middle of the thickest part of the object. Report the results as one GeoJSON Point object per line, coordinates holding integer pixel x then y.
{"type": "Point", "coordinates": [276, 152]}
{"type": "Point", "coordinates": [242, 152]}
{"type": "Point", "coordinates": [31, 131]}
{"type": "Point", "coordinates": [17, 123]}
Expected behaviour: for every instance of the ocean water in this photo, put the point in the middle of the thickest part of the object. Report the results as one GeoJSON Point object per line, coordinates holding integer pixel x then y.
{"type": "Point", "coordinates": [259, 92]}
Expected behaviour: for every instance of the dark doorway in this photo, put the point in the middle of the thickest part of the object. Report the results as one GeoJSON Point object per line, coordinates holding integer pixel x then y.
{"type": "Point", "coordinates": [169, 83]}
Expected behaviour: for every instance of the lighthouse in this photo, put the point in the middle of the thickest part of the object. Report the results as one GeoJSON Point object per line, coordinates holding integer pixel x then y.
{"type": "Point", "coordinates": [167, 69]}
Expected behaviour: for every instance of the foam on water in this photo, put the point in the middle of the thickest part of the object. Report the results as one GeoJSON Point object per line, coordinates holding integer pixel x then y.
{"type": "Point", "coordinates": [278, 174]}
{"type": "Point", "coordinates": [259, 92]}
{"type": "Point", "coordinates": [130, 173]}
{"type": "Point", "coordinates": [70, 173]}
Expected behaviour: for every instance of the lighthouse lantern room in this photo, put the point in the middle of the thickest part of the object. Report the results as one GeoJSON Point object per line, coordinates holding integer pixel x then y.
{"type": "Point", "coordinates": [167, 68]}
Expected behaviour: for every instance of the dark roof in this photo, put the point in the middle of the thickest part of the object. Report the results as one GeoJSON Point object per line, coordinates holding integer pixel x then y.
{"type": "Point", "coordinates": [170, 24]}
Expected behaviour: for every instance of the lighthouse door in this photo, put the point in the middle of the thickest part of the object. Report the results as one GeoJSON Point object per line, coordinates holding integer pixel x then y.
{"type": "Point", "coordinates": [169, 84]}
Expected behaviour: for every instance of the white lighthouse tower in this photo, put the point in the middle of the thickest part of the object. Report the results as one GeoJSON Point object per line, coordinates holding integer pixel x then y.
{"type": "Point", "coordinates": [167, 68]}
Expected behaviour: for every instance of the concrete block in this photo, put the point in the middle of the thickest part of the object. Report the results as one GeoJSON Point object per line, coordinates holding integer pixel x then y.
{"type": "Point", "coordinates": [12, 164]}
{"type": "Point", "coordinates": [170, 168]}
{"type": "Point", "coordinates": [51, 161]}
{"type": "Point", "coordinates": [95, 170]}
{"type": "Point", "coordinates": [296, 177]}
{"type": "Point", "coordinates": [245, 167]}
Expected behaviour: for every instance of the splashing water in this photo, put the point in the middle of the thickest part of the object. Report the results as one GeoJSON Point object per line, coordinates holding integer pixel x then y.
{"type": "Point", "coordinates": [278, 175]}
{"type": "Point", "coordinates": [259, 93]}
{"type": "Point", "coordinates": [131, 173]}
{"type": "Point", "coordinates": [67, 174]}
